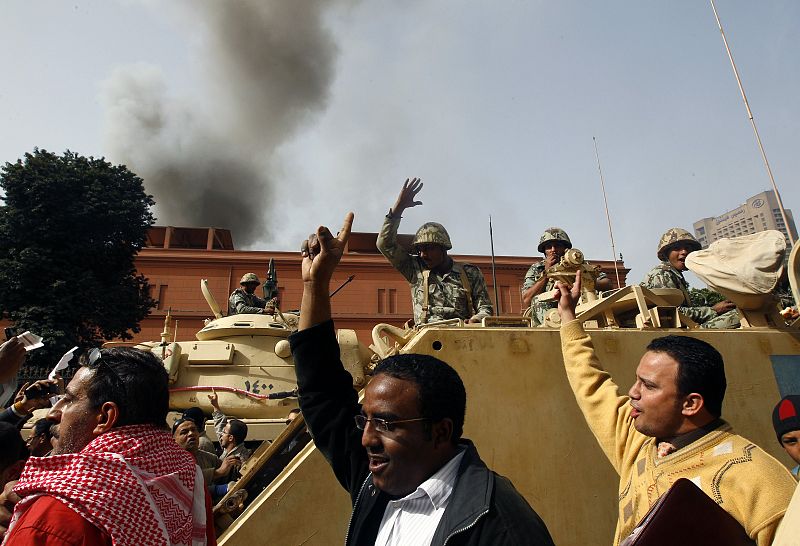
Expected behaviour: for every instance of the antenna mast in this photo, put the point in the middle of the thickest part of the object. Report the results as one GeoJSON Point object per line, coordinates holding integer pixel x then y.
{"type": "Point", "coordinates": [755, 129]}
{"type": "Point", "coordinates": [608, 216]}
{"type": "Point", "coordinates": [494, 273]}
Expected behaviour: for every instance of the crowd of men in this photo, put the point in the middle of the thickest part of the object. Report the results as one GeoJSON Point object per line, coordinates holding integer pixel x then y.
{"type": "Point", "coordinates": [103, 468]}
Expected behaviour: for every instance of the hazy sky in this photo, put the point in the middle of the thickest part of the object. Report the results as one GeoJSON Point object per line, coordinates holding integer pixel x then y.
{"type": "Point", "coordinates": [278, 116]}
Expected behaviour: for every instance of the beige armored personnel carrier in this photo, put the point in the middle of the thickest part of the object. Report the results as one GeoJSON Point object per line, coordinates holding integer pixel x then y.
{"type": "Point", "coordinates": [521, 413]}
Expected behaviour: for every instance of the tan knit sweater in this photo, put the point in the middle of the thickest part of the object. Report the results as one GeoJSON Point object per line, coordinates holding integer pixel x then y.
{"type": "Point", "coordinates": [746, 481]}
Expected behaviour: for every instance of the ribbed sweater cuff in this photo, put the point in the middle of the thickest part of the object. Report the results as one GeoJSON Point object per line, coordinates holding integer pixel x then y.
{"type": "Point", "coordinates": [572, 330]}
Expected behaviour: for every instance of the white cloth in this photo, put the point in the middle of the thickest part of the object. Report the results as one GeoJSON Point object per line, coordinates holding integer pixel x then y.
{"type": "Point", "coordinates": [414, 518]}
{"type": "Point", "coordinates": [743, 269]}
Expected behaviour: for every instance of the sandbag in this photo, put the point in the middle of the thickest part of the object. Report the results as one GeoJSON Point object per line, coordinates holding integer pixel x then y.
{"type": "Point", "coordinates": [743, 269]}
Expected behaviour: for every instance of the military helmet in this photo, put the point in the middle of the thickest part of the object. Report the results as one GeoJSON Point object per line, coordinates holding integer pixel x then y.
{"type": "Point", "coordinates": [553, 234]}
{"type": "Point", "coordinates": [673, 236]}
{"type": "Point", "coordinates": [432, 233]}
{"type": "Point", "coordinates": [250, 277]}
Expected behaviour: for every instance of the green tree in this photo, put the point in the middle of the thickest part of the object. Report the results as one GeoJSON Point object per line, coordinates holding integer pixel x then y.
{"type": "Point", "coordinates": [705, 296]}
{"type": "Point", "coordinates": [70, 228]}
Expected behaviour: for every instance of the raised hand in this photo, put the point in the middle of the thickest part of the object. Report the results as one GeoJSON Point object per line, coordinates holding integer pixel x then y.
{"type": "Point", "coordinates": [411, 188]}
{"type": "Point", "coordinates": [213, 398]}
{"type": "Point", "coordinates": [322, 252]}
{"type": "Point", "coordinates": [568, 298]}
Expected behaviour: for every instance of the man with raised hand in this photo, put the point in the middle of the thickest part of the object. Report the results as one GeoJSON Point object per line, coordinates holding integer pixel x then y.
{"type": "Point", "coordinates": [411, 477]}
{"type": "Point", "coordinates": [441, 288]}
{"type": "Point", "coordinates": [669, 426]}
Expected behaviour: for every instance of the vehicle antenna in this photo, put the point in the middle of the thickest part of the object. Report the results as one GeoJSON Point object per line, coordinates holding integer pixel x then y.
{"type": "Point", "coordinates": [494, 273]}
{"type": "Point", "coordinates": [608, 216]}
{"type": "Point", "coordinates": [753, 123]}
{"type": "Point", "coordinates": [345, 283]}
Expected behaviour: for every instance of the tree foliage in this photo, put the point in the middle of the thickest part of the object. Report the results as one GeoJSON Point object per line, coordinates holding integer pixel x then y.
{"type": "Point", "coordinates": [705, 296]}
{"type": "Point", "coordinates": [70, 228]}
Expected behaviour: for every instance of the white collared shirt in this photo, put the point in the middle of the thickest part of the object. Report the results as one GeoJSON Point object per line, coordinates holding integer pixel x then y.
{"type": "Point", "coordinates": [414, 518]}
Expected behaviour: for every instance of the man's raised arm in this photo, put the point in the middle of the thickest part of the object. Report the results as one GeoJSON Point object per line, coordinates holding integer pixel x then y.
{"type": "Point", "coordinates": [326, 395]}
{"type": "Point", "coordinates": [321, 254]}
{"type": "Point", "coordinates": [606, 412]}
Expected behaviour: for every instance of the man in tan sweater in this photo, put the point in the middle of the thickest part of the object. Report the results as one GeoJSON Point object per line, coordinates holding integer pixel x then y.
{"type": "Point", "coordinates": [669, 427]}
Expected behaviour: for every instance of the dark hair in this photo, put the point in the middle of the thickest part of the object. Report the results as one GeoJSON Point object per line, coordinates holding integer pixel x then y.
{"type": "Point", "coordinates": [238, 430]}
{"type": "Point", "coordinates": [133, 379]}
{"type": "Point", "coordinates": [700, 368]}
{"type": "Point", "coordinates": [196, 414]}
{"type": "Point", "coordinates": [179, 422]}
{"type": "Point", "coordinates": [12, 446]}
{"type": "Point", "coordinates": [441, 391]}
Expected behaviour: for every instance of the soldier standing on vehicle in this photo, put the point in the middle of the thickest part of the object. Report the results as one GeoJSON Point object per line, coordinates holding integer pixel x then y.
{"type": "Point", "coordinates": [553, 243]}
{"type": "Point", "coordinates": [244, 300]}
{"type": "Point", "coordinates": [440, 287]}
{"type": "Point", "coordinates": [673, 248]}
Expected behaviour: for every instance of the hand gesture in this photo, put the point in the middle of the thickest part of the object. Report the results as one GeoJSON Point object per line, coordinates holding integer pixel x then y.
{"type": "Point", "coordinates": [214, 399]}
{"type": "Point", "coordinates": [40, 400]}
{"type": "Point", "coordinates": [411, 188]}
{"type": "Point", "coordinates": [322, 252]}
{"type": "Point", "coordinates": [568, 298]}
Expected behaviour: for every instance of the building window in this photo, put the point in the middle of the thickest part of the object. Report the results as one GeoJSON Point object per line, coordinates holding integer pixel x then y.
{"type": "Point", "coordinates": [387, 301]}
{"type": "Point", "coordinates": [162, 296]}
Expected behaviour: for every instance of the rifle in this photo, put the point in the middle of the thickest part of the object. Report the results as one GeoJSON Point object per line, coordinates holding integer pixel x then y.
{"type": "Point", "coordinates": [270, 286]}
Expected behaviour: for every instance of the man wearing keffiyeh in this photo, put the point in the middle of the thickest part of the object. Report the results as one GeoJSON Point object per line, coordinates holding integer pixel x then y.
{"type": "Point", "coordinates": [116, 477]}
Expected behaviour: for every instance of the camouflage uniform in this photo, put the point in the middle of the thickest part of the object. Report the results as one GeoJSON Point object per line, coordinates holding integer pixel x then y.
{"type": "Point", "coordinates": [665, 276]}
{"type": "Point", "coordinates": [540, 308]}
{"type": "Point", "coordinates": [241, 302]}
{"type": "Point", "coordinates": [447, 298]}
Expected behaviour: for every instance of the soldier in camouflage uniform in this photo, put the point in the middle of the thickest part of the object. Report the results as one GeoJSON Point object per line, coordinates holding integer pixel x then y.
{"type": "Point", "coordinates": [673, 247]}
{"type": "Point", "coordinates": [453, 290]}
{"type": "Point", "coordinates": [244, 300]}
{"type": "Point", "coordinates": [553, 243]}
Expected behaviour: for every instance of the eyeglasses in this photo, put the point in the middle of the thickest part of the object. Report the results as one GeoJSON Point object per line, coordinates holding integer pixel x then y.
{"type": "Point", "coordinates": [382, 425]}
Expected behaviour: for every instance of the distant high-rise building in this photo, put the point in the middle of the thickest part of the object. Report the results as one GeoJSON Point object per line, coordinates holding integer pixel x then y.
{"type": "Point", "coordinates": [759, 213]}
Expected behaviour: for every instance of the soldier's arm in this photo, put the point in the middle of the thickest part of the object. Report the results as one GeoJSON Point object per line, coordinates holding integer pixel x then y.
{"type": "Point", "coordinates": [480, 294]}
{"type": "Point", "coordinates": [660, 278]}
{"type": "Point", "coordinates": [240, 306]}
{"type": "Point", "coordinates": [387, 244]}
{"type": "Point", "coordinates": [535, 283]}
{"type": "Point", "coordinates": [698, 313]}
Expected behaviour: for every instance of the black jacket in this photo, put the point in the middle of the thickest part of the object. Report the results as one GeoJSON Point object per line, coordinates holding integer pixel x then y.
{"type": "Point", "coordinates": [484, 509]}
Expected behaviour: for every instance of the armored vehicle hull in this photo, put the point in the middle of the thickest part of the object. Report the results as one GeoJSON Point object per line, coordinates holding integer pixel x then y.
{"type": "Point", "coordinates": [523, 418]}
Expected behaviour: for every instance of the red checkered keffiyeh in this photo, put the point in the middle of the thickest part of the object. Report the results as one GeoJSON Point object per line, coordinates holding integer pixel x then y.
{"type": "Point", "coordinates": [134, 482]}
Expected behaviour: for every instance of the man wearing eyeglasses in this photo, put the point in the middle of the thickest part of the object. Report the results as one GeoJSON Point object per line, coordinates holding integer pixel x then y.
{"type": "Point", "coordinates": [411, 477]}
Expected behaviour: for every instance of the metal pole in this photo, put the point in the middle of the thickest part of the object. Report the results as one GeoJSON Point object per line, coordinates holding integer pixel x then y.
{"type": "Point", "coordinates": [608, 216]}
{"type": "Point", "coordinates": [755, 129]}
{"type": "Point", "coordinates": [345, 283]}
{"type": "Point", "coordinates": [494, 273]}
